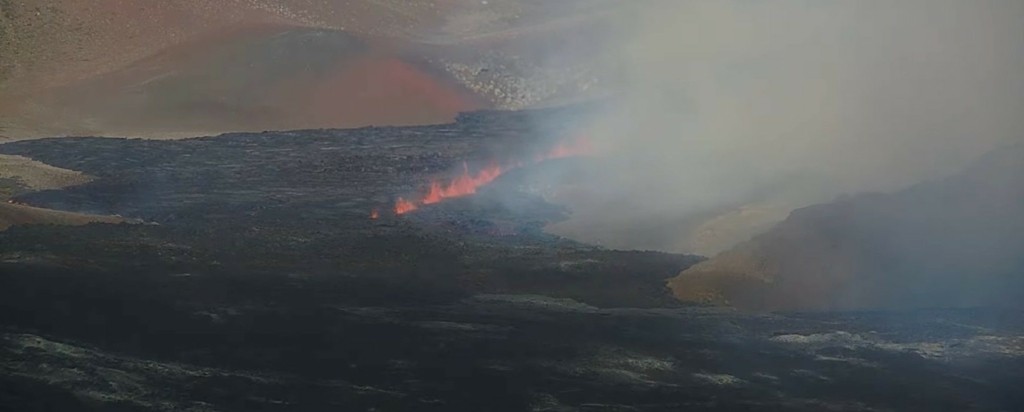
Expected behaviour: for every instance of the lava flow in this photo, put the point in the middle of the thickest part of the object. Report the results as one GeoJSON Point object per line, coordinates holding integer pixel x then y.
{"type": "Point", "coordinates": [467, 184]}
{"type": "Point", "coordinates": [403, 206]}
{"type": "Point", "coordinates": [464, 185]}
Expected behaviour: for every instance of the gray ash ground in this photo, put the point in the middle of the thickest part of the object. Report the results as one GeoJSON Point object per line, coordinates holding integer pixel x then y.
{"type": "Point", "coordinates": [260, 283]}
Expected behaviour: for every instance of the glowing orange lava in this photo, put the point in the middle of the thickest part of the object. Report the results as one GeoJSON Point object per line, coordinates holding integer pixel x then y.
{"type": "Point", "coordinates": [374, 214]}
{"type": "Point", "coordinates": [464, 185]}
{"type": "Point", "coordinates": [467, 184]}
{"type": "Point", "coordinates": [403, 206]}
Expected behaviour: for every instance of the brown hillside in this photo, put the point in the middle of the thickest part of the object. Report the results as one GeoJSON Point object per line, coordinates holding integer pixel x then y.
{"type": "Point", "coordinates": [185, 67]}
{"type": "Point", "coordinates": [954, 242]}
{"type": "Point", "coordinates": [14, 214]}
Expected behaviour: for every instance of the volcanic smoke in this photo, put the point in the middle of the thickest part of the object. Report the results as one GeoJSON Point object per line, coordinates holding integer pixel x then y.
{"type": "Point", "coordinates": [467, 183]}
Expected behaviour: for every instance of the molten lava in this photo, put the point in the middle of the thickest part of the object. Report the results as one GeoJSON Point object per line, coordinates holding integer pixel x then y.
{"type": "Point", "coordinates": [403, 206]}
{"type": "Point", "coordinates": [467, 184]}
{"type": "Point", "coordinates": [464, 185]}
{"type": "Point", "coordinates": [374, 214]}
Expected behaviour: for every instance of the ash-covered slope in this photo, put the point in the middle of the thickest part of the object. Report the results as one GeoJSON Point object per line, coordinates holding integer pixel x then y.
{"type": "Point", "coordinates": [952, 242]}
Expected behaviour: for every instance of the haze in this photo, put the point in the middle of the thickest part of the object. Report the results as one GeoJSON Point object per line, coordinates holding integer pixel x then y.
{"type": "Point", "coordinates": [729, 114]}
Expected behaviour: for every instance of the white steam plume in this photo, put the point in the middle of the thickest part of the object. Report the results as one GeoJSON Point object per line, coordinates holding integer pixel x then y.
{"type": "Point", "coordinates": [730, 113]}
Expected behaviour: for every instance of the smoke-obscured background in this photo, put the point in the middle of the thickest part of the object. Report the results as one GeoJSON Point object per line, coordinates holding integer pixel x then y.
{"type": "Point", "coordinates": [727, 115]}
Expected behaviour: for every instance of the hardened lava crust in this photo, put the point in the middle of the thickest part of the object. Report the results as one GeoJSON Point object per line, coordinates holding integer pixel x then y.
{"type": "Point", "coordinates": [249, 273]}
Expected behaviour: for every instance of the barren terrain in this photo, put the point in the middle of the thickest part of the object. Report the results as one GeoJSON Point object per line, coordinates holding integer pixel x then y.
{"type": "Point", "coordinates": [950, 242]}
{"type": "Point", "coordinates": [262, 283]}
{"type": "Point", "coordinates": [305, 205]}
{"type": "Point", "coordinates": [191, 67]}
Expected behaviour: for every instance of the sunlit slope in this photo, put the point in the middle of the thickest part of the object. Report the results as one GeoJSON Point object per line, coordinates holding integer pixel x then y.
{"type": "Point", "coordinates": [952, 242]}
{"type": "Point", "coordinates": [259, 79]}
{"type": "Point", "coordinates": [179, 68]}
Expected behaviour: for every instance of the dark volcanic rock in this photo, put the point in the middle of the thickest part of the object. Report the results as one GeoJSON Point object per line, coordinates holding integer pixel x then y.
{"type": "Point", "coordinates": [262, 284]}
{"type": "Point", "coordinates": [299, 202]}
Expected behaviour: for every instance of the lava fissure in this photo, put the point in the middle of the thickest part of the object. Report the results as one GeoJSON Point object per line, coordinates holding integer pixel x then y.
{"type": "Point", "coordinates": [468, 183]}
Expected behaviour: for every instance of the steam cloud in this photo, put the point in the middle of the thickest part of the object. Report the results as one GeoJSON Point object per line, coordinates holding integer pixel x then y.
{"type": "Point", "coordinates": [728, 114]}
